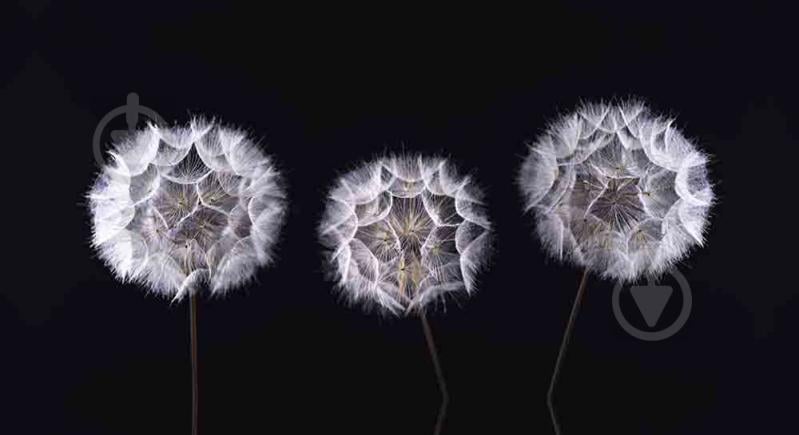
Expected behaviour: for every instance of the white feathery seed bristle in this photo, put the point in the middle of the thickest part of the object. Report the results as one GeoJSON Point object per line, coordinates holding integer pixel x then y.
{"type": "Point", "coordinates": [617, 190]}
{"type": "Point", "coordinates": [184, 208]}
{"type": "Point", "coordinates": [400, 232]}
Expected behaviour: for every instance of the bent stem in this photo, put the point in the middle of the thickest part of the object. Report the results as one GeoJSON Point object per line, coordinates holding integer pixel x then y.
{"type": "Point", "coordinates": [442, 385]}
{"type": "Point", "coordinates": [562, 352]}
{"type": "Point", "coordinates": [194, 383]}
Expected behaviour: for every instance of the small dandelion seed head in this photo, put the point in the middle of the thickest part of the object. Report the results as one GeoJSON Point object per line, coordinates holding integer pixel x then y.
{"type": "Point", "coordinates": [402, 231]}
{"type": "Point", "coordinates": [178, 209]}
{"type": "Point", "coordinates": [617, 190]}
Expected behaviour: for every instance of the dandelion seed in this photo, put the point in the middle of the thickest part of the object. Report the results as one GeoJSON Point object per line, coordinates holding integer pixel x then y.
{"type": "Point", "coordinates": [186, 207]}
{"type": "Point", "coordinates": [617, 191]}
{"type": "Point", "coordinates": [401, 232]}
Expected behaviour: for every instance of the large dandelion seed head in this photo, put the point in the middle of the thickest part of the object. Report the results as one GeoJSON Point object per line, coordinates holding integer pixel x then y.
{"type": "Point", "coordinates": [178, 209]}
{"type": "Point", "coordinates": [617, 190]}
{"type": "Point", "coordinates": [402, 231]}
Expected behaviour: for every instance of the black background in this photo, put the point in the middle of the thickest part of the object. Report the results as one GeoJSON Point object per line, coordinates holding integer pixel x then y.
{"type": "Point", "coordinates": [326, 88]}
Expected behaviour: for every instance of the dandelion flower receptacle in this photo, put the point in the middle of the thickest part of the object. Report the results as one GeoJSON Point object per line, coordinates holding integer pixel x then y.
{"type": "Point", "coordinates": [185, 207]}
{"type": "Point", "coordinates": [403, 231]}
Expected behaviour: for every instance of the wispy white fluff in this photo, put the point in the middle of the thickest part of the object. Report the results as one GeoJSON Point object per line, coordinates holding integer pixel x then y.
{"type": "Point", "coordinates": [403, 231]}
{"type": "Point", "coordinates": [617, 190]}
{"type": "Point", "coordinates": [178, 209]}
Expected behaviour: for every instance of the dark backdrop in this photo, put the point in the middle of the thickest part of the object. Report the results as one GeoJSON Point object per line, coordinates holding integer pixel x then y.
{"type": "Point", "coordinates": [327, 88]}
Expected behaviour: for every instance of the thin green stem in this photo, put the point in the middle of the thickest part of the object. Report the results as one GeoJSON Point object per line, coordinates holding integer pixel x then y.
{"type": "Point", "coordinates": [194, 383]}
{"type": "Point", "coordinates": [562, 352]}
{"type": "Point", "coordinates": [442, 385]}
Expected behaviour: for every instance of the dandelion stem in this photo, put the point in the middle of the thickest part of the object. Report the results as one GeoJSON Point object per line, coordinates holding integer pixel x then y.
{"type": "Point", "coordinates": [194, 384]}
{"type": "Point", "coordinates": [442, 385]}
{"type": "Point", "coordinates": [562, 352]}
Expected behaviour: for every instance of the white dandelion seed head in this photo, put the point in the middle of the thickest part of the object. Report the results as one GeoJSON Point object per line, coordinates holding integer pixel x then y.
{"type": "Point", "coordinates": [178, 209]}
{"type": "Point", "coordinates": [617, 190]}
{"type": "Point", "coordinates": [402, 231]}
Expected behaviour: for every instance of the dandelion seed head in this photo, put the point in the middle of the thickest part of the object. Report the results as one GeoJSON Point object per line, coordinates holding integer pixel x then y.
{"type": "Point", "coordinates": [402, 231]}
{"type": "Point", "coordinates": [617, 190]}
{"type": "Point", "coordinates": [182, 208]}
